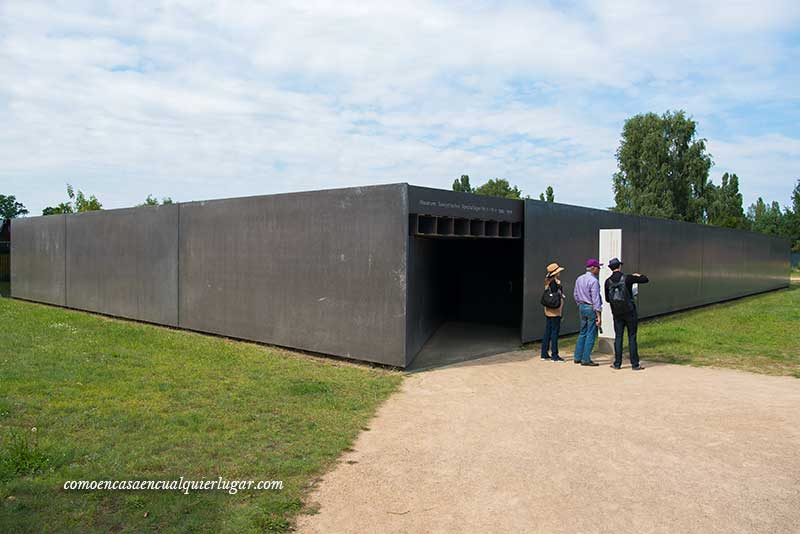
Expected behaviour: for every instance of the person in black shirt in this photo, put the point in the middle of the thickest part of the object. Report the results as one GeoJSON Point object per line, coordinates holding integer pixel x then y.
{"type": "Point", "coordinates": [625, 315]}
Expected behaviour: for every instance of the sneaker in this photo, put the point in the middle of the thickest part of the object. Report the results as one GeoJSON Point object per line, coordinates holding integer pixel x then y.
{"type": "Point", "coordinates": [576, 362]}
{"type": "Point", "coordinates": [590, 364]}
{"type": "Point", "coordinates": [639, 368]}
{"type": "Point", "coordinates": [545, 357]}
{"type": "Point", "coordinates": [615, 367]}
{"type": "Point", "coordinates": [557, 359]}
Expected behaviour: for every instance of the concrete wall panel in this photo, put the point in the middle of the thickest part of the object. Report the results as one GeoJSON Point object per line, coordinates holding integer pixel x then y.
{"type": "Point", "coordinates": [737, 263]}
{"type": "Point", "coordinates": [37, 259]}
{"type": "Point", "coordinates": [671, 254]}
{"type": "Point", "coordinates": [125, 263]}
{"type": "Point", "coordinates": [322, 271]}
{"type": "Point", "coordinates": [425, 306]}
{"type": "Point", "coordinates": [779, 263]}
{"type": "Point", "coordinates": [721, 262]}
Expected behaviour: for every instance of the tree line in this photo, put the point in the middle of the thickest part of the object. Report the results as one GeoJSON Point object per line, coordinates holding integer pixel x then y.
{"type": "Point", "coordinates": [499, 187]}
{"type": "Point", "coordinates": [663, 170]}
{"type": "Point", "coordinates": [76, 202]}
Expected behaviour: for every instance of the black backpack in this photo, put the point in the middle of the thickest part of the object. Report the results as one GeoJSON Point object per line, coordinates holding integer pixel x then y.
{"type": "Point", "coordinates": [551, 299]}
{"type": "Point", "coordinates": [619, 298]}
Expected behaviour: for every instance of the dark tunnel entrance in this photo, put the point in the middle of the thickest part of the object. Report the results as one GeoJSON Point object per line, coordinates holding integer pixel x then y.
{"type": "Point", "coordinates": [480, 280]}
{"type": "Point", "coordinates": [465, 297]}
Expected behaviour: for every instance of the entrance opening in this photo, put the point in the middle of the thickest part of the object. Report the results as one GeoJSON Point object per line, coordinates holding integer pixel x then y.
{"type": "Point", "coordinates": [465, 297]}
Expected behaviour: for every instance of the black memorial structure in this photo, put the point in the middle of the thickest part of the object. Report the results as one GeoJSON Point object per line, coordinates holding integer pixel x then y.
{"type": "Point", "coordinates": [368, 273]}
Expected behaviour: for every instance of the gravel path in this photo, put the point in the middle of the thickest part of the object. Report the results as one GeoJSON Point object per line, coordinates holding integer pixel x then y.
{"type": "Point", "coordinates": [511, 444]}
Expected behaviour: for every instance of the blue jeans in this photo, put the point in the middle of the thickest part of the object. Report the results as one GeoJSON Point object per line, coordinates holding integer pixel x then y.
{"type": "Point", "coordinates": [551, 330]}
{"type": "Point", "coordinates": [588, 335]}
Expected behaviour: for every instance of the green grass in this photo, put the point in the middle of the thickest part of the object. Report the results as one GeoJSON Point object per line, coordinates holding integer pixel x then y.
{"type": "Point", "coordinates": [118, 400]}
{"type": "Point", "coordinates": [759, 334]}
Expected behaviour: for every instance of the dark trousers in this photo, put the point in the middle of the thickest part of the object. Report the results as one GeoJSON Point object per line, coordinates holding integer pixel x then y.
{"type": "Point", "coordinates": [631, 322]}
{"type": "Point", "coordinates": [551, 329]}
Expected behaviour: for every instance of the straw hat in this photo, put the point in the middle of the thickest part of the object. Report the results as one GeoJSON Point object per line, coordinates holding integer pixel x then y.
{"type": "Point", "coordinates": [553, 269]}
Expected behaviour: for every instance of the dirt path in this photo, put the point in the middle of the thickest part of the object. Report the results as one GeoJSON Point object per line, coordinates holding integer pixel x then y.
{"type": "Point", "coordinates": [510, 444]}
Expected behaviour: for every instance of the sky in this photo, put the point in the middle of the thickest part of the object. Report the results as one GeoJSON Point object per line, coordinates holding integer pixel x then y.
{"type": "Point", "coordinates": [197, 100]}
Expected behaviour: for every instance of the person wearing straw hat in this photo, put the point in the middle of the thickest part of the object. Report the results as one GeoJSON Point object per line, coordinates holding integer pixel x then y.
{"type": "Point", "coordinates": [553, 303]}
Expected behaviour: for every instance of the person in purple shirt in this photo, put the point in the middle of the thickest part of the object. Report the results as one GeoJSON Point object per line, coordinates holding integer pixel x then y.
{"type": "Point", "coordinates": [590, 306]}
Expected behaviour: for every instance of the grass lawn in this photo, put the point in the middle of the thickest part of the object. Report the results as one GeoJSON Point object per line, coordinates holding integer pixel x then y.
{"type": "Point", "coordinates": [118, 400]}
{"type": "Point", "coordinates": [760, 334]}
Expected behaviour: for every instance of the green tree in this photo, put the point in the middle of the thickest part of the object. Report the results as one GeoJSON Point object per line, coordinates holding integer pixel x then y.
{"type": "Point", "coordinates": [153, 201]}
{"type": "Point", "coordinates": [499, 187]}
{"type": "Point", "coordinates": [84, 203]}
{"type": "Point", "coordinates": [766, 218]}
{"type": "Point", "coordinates": [548, 195]}
{"type": "Point", "coordinates": [725, 204]}
{"type": "Point", "coordinates": [462, 184]}
{"type": "Point", "coordinates": [77, 203]}
{"type": "Point", "coordinates": [10, 208]}
{"type": "Point", "coordinates": [793, 218]}
{"type": "Point", "coordinates": [63, 207]}
{"type": "Point", "coordinates": [769, 219]}
{"type": "Point", "coordinates": [663, 168]}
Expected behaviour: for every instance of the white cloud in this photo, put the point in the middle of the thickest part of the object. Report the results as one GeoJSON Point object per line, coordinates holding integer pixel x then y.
{"type": "Point", "coordinates": [768, 165]}
{"type": "Point", "coordinates": [206, 99]}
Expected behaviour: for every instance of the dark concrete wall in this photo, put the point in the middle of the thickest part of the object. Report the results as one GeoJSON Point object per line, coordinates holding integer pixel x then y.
{"type": "Point", "coordinates": [125, 263]}
{"type": "Point", "coordinates": [322, 271]}
{"type": "Point", "coordinates": [688, 264]}
{"type": "Point", "coordinates": [671, 254]}
{"type": "Point", "coordinates": [741, 263]}
{"type": "Point", "coordinates": [425, 307]}
{"type": "Point", "coordinates": [38, 259]}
